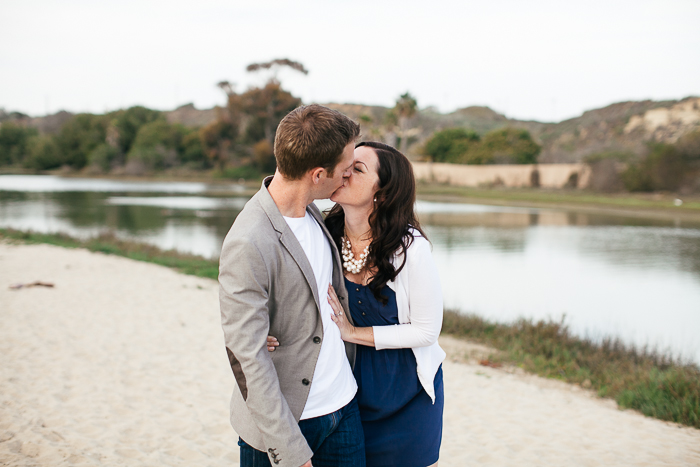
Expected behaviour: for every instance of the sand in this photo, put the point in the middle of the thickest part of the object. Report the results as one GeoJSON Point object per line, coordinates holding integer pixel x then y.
{"type": "Point", "coordinates": [123, 363]}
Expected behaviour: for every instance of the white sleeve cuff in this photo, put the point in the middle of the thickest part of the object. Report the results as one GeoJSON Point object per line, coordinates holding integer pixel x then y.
{"type": "Point", "coordinates": [386, 337]}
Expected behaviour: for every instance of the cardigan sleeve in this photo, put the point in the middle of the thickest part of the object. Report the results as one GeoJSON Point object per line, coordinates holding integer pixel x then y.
{"type": "Point", "coordinates": [424, 302]}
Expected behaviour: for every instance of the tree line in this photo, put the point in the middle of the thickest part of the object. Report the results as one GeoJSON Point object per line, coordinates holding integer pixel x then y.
{"type": "Point", "coordinates": [239, 142]}
{"type": "Point", "coordinates": [139, 140]}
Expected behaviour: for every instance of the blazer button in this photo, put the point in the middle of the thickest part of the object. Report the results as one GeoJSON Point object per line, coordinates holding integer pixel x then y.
{"type": "Point", "coordinates": [305, 382]}
{"type": "Point", "coordinates": [360, 302]}
{"type": "Point", "coordinates": [317, 340]}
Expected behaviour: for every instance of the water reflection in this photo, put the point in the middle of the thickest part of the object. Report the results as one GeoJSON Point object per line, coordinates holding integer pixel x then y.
{"type": "Point", "coordinates": [636, 278]}
{"type": "Point", "coordinates": [620, 289]}
{"type": "Point", "coordinates": [52, 184]}
{"type": "Point", "coordinates": [191, 224]}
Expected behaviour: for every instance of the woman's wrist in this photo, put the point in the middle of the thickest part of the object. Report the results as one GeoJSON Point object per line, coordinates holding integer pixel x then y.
{"type": "Point", "coordinates": [361, 336]}
{"type": "Point", "coordinates": [352, 334]}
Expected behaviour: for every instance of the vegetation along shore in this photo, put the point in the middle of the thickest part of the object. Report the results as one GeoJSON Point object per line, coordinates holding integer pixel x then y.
{"type": "Point", "coordinates": [644, 146]}
{"type": "Point", "coordinates": [653, 383]}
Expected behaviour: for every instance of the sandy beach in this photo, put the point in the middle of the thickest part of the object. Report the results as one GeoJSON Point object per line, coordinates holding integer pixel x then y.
{"type": "Point", "coordinates": [123, 363]}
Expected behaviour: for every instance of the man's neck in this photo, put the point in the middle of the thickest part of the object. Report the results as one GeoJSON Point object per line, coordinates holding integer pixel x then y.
{"type": "Point", "coordinates": [290, 196]}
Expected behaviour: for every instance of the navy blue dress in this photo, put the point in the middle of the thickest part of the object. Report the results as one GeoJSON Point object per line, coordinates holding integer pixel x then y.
{"type": "Point", "coordinates": [402, 425]}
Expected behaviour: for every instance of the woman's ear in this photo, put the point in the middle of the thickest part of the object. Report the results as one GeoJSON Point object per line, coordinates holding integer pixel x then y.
{"type": "Point", "coordinates": [378, 197]}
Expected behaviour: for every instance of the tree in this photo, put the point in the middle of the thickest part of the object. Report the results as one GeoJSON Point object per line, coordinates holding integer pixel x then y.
{"type": "Point", "coordinates": [14, 142]}
{"type": "Point", "coordinates": [275, 65]}
{"type": "Point", "coordinates": [192, 151]}
{"type": "Point", "coordinates": [217, 138]}
{"type": "Point", "coordinates": [43, 154]}
{"type": "Point", "coordinates": [505, 146]}
{"type": "Point", "coordinates": [450, 145]}
{"type": "Point", "coordinates": [128, 123]}
{"type": "Point", "coordinates": [79, 136]}
{"type": "Point", "coordinates": [405, 108]}
{"type": "Point", "coordinates": [265, 108]}
{"type": "Point", "coordinates": [103, 157]}
{"type": "Point", "coordinates": [156, 144]}
{"type": "Point", "coordinates": [245, 128]}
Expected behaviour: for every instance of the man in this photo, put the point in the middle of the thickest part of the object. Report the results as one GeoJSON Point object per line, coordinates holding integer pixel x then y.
{"type": "Point", "coordinates": [296, 405]}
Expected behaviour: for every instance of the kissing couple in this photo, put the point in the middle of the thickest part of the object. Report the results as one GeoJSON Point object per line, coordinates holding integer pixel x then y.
{"type": "Point", "coordinates": [331, 325]}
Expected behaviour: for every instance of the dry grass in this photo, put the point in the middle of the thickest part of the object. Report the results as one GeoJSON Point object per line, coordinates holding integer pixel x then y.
{"type": "Point", "coordinates": [653, 383]}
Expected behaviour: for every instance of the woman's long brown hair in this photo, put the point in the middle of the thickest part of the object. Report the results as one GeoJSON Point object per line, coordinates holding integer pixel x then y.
{"type": "Point", "coordinates": [392, 220]}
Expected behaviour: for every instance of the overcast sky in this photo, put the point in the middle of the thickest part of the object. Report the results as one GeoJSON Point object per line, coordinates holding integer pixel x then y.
{"type": "Point", "coordinates": [543, 60]}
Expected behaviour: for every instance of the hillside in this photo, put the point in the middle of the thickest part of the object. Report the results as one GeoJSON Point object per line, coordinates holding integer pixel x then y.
{"type": "Point", "coordinates": [624, 126]}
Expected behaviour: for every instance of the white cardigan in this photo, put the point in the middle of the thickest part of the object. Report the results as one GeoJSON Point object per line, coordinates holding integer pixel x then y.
{"type": "Point", "coordinates": [419, 301]}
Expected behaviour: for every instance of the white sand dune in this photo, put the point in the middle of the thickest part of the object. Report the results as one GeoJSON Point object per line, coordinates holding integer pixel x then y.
{"type": "Point", "coordinates": [123, 363]}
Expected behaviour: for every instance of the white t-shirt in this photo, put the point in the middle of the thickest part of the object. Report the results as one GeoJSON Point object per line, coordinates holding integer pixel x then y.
{"type": "Point", "coordinates": [333, 385]}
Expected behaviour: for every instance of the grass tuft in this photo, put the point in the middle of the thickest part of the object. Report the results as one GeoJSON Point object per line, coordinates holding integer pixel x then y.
{"type": "Point", "coordinates": [110, 245]}
{"type": "Point", "coordinates": [654, 383]}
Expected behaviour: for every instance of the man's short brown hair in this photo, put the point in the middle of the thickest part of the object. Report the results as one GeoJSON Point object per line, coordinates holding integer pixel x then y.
{"type": "Point", "coordinates": [312, 136]}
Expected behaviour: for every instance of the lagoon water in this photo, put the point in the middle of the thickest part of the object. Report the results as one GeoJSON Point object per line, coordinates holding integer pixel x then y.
{"type": "Point", "coordinates": [633, 278]}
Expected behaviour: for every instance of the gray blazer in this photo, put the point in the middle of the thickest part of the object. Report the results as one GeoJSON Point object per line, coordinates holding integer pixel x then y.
{"type": "Point", "coordinates": [267, 286]}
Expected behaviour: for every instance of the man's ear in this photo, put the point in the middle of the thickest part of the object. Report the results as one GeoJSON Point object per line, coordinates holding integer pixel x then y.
{"type": "Point", "coordinates": [317, 174]}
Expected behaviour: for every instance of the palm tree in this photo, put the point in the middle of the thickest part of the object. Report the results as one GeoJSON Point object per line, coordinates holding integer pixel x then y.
{"type": "Point", "coordinates": [406, 107]}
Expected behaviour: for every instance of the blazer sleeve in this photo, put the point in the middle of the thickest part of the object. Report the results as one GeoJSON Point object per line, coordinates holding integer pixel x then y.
{"type": "Point", "coordinates": [422, 285]}
{"type": "Point", "coordinates": [243, 297]}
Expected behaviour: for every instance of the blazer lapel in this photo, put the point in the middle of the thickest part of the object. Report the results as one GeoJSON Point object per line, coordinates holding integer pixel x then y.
{"type": "Point", "coordinates": [290, 242]}
{"type": "Point", "coordinates": [288, 239]}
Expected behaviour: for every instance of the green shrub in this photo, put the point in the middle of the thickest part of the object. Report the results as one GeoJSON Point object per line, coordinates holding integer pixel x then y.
{"type": "Point", "coordinates": [508, 146]}
{"type": "Point", "coordinates": [191, 151]}
{"type": "Point", "coordinates": [617, 156]}
{"type": "Point", "coordinates": [450, 145]}
{"type": "Point", "coordinates": [156, 145]}
{"type": "Point", "coordinates": [43, 154]}
{"type": "Point", "coordinates": [503, 146]}
{"type": "Point", "coordinates": [664, 168]}
{"type": "Point", "coordinates": [128, 123]}
{"type": "Point", "coordinates": [79, 136]}
{"type": "Point", "coordinates": [246, 172]}
{"type": "Point", "coordinates": [14, 143]}
{"type": "Point", "coordinates": [103, 157]}
{"type": "Point", "coordinates": [689, 147]}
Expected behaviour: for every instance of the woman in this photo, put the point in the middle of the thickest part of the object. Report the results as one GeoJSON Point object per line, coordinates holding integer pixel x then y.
{"type": "Point", "coordinates": [396, 304]}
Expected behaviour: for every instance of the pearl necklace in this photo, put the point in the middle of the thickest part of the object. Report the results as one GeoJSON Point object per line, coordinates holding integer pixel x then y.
{"type": "Point", "coordinates": [351, 264]}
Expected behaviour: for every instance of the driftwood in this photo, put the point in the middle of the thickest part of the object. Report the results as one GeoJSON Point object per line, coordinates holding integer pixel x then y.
{"type": "Point", "coordinates": [489, 363]}
{"type": "Point", "coordinates": [32, 284]}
